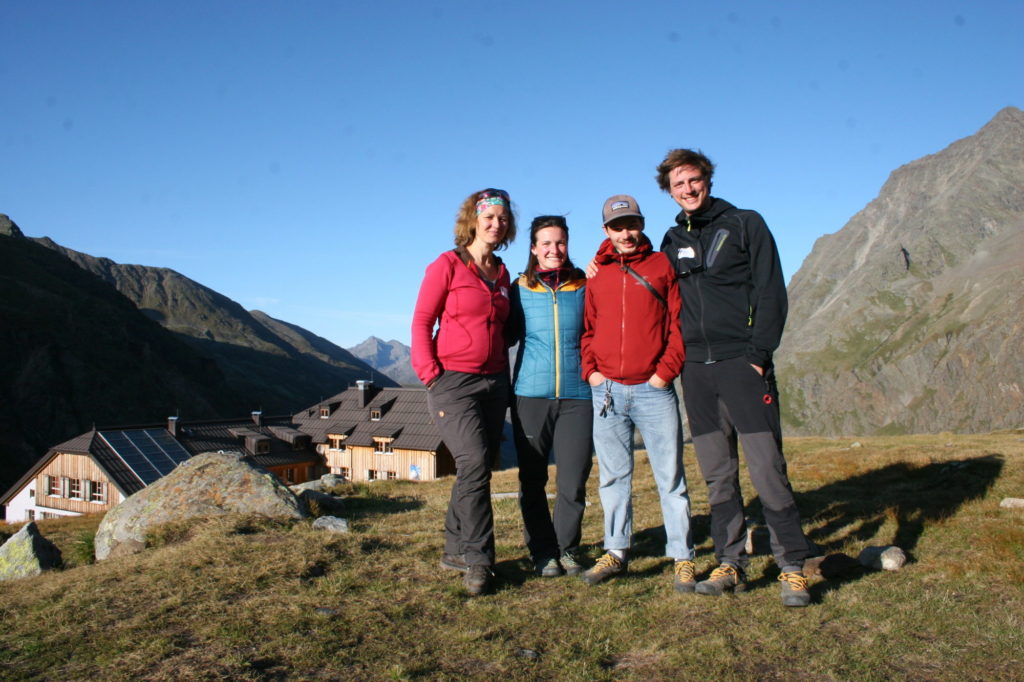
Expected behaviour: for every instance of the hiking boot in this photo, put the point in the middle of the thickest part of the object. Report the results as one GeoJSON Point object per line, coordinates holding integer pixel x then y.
{"type": "Point", "coordinates": [724, 577]}
{"type": "Point", "coordinates": [547, 568]}
{"type": "Point", "coordinates": [794, 589]}
{"type": "Point", "coordinates": [684, 579]}
{"type": "Point", "coordinates": [477, 580]}
{"type": "Point", "coordinates": [570, 564]}
{"type": "Point", "coordinates": [608, 566]}
{"type": "Point", "coordinates": [454, 562]}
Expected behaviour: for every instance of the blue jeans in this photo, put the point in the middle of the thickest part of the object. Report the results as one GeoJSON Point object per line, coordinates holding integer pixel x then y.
{"type": "Point", "coordinates": [655, 411]}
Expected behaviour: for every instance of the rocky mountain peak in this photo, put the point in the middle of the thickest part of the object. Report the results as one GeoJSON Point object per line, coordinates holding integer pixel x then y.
{"type": "Point", "coordinates": [8, 227]}
{"type": "Point", "coordinates": [906, 312]}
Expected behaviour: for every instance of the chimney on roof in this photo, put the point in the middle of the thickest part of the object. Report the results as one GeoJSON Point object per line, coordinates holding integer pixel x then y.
{"type": "Point", "coordinates": [365, 389]}
{"type": "Point", "coordinates": [172, 426]}
{"type": "Point", "coordinates": [257, 417]}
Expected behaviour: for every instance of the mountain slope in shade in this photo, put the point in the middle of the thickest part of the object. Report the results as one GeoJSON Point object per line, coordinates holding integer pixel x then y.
{"type": "Point", "coordinates": [75, 353]}
{"type": "Point", "coordinates": [911, 318]}
{"type": "Point", "coordinates": [391, 357]}
{"type": "Point", "coordinates": [282, 366]}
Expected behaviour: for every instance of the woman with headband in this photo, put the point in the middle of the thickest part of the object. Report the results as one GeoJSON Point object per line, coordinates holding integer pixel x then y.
{"type": "Point", "coordinates": [464, 366]}
{"type": "Point", "coordinates": [553, 408]}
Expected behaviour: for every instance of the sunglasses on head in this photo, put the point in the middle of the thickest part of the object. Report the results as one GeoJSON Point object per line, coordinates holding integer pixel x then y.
{"type": "Point", "coordinates": [492, 193]}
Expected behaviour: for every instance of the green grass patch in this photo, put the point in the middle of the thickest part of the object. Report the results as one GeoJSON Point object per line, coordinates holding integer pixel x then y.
{"type": "Point", "coordinates": [244, 598]}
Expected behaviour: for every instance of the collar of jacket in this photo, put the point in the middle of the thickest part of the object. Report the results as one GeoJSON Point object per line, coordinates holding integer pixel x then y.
{"type": "Point", "coordinates": [576, 281]}
{"type": "Point", "coordinates": [606, 253]}
{"type": "Point", "coordinates": [466, 257]}
{"type": "Point", "coordinates": [704, 216]}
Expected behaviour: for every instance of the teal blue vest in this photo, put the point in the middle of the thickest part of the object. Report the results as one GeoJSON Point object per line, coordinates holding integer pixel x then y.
{"type": "Point", "coordinates": [548, 365]}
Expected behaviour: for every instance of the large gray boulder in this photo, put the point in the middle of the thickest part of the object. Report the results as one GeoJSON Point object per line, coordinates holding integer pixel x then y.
{"type": "Point", "coordinates": [209, 484]}
{"type": "Point", "coordinates": [27, 553]}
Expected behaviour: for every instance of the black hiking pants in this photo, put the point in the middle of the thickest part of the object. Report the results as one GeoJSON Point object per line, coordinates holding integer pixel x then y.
{"type": "Point", "coordinates": [563, 426]}
{"type": "Point", "coordinates": [729, 399]}
{"type": "Point", "coordinates": [469, 410]}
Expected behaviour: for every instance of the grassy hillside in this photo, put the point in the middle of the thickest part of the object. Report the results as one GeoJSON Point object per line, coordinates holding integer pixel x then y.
{"type": "Point", "coordinates": [245, 599]}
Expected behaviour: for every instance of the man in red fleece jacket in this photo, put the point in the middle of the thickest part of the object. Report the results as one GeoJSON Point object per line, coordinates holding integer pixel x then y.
{"type": "Point", "coordinates": [631, 350]}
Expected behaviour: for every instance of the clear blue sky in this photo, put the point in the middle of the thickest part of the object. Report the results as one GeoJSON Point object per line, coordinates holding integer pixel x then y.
{"type": "Point", "coordinates": [307, 158]}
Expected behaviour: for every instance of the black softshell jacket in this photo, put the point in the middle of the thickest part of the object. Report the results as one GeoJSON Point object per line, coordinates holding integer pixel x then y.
{"type": "Point", "coordinates": [730, 279]}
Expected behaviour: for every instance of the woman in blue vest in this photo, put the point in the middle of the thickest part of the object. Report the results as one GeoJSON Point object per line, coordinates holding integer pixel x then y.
{"type": "Point", "coordinates": [553, 407]}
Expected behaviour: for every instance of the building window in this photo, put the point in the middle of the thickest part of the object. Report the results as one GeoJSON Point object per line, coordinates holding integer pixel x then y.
{"type": "Point", "coordinates": [53, 486]}
{"type": "Point", "coordinates": [99, 492]}
{"type": "Point", "coordinates": [382, 447]}
{"type": "Point", "coordinates": [50, 515]}
{"type": "Point", "coordinates": [30, 514]}
{"type": "Point", "coordinates": [371, 475]}
{"type": "Point", "coordinates": [325, 412]}
{"type": "Point", "coordinates": [343, 472]}
{"type": "Point", "coordinates": [262, 446]}
{"type": "Point", "coordinates": [392, 476]}
{"type": "Point", "coordinates": [31, 493]}
{"type": "Point", "coordinates": [375, 415]}
{"type": "Point", "coordinates": [75, 488]}
{"type": "Point", "coordinates": [289, 475]}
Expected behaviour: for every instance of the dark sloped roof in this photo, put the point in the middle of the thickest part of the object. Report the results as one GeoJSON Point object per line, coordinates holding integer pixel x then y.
{"type": "Point", "coordinates": [229, 435]}
{"type": "Point", "coordinates": [79, 445]}
{"type": "Point", "coordinates": [404, 417]}
{"type": "Point", "coordinates": [117, 471]}
{"type": "Point", "coordinates": [89, 445]}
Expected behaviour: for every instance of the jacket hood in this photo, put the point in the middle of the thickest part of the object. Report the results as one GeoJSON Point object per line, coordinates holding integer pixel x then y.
{"type": "Point", "coordinates": [606, 253]}
{"type": "Point", "coordinates": [701, 218]}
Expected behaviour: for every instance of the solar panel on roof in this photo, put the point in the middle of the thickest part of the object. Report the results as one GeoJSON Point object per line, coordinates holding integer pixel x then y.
{"type": "Point", "coordinates": [149, 453]}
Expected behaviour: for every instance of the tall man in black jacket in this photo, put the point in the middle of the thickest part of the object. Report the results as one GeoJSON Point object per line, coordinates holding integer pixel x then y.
{"type": "Point", "coordinates": [734, 309]}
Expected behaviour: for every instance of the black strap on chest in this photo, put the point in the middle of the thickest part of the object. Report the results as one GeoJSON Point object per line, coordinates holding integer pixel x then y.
{"type": "Point", "coordinates": [654, 292]}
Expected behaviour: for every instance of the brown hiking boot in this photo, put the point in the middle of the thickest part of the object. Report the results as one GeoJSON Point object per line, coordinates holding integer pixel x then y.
{"type": "Point", "coordinates": [607, 566]}
{"type": "Point", "coordinates": [794, 589]}
{"type": "Point", "coordinates": [684, 578]}
{"type": "Point", "coordinates": [724, 577]}
{"type": "Point", "coordinates": [477, 580]}
{"type": "Point", "coordinates": [454, 562]}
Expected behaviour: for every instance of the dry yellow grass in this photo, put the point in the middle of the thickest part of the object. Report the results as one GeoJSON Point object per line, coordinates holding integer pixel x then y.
{"type": "Point", "coordinates": [243, 598]}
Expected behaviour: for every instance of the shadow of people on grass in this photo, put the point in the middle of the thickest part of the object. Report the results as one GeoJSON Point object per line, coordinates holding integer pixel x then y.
{"type": "Point", "coordinates": [855, 509]}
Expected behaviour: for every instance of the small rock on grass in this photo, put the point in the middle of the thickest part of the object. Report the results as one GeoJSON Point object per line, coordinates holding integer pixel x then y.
{"type": "Point", "coordinates": [890, 558]}
{"type": "Point", "coordinates": [1012, 503]}
{"type": "Point", "coordinates": [332, 524]}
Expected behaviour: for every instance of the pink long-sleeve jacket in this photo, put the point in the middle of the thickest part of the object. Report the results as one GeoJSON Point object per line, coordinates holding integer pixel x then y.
{"type": "Point", "coordinates": [470, 337]}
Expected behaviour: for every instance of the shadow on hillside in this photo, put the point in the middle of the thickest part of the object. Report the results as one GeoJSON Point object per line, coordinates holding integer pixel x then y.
{"type": "Point", "coordinates": [855, 509]}
{"type": "Point", "coordinates": [357, 507]}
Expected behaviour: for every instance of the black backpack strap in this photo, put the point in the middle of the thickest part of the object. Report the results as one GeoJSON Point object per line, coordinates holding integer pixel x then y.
{"type": "Point", "coordinates": [654, 292]}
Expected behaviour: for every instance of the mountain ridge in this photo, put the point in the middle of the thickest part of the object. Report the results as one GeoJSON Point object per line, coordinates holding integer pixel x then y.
{"type": "Point", "coordinates": [907, 319]}
{"type": "Point", "coordinates": [90, 341]}
{"type": "Point", "coordinates": [393, 358]}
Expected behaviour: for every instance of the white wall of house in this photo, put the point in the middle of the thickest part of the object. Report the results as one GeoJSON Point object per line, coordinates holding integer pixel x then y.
{"type": "Point", "coordinates": [18, 508]}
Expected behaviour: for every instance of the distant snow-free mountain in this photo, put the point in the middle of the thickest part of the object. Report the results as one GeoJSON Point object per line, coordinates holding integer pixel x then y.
{"type": "Point", "coordinates": [390, 357]}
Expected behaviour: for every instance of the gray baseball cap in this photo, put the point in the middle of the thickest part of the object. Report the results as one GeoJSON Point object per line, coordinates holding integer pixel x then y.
{"type": "Point", "coordinates": [620, 206]}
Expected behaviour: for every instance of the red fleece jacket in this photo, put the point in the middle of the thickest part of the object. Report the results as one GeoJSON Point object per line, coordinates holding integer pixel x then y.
{"type": "Point", "coordinates": [628, 334]}
{"type": "Point", "coordinates": [470, 337]}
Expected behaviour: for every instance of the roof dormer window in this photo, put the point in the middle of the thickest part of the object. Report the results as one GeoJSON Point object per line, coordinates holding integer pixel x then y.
{"type": "Point", "coordinates": [375, 414]}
